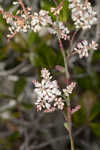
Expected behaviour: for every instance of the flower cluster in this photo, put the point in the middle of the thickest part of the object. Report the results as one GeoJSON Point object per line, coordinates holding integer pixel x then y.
{"type": "Point", "coordinates": [47, 93]}
{"type": "Point", "coordinates": [82, 14]}
{"type": "Point", "coordinates": [40, 20]}
{"type": "Point", "coordinates": [59, 29]}
{"type": "Point", "coordinates": [49, 97]}
{"type": "Point", "coordinates": [68, 90]}
{"type": "Point", "coordinates": [24, 21]}
{"type": "Point", "coordinates": [83, 47]}
{"type": "Point", "coordinates": [18, 23]}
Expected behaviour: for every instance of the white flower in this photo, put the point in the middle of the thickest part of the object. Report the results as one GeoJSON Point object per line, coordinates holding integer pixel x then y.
{"type": "Point", "coordinates": [83, 47]}
{"type": "Point", "coordinates": [83, 15]}
{"type": "Point", "coordinates": [23, 22]}
{"type": "Point", "coordinates": [68, 90]}
{"type": "Point", "coordinates": [59, 29]}
{"type": "Point", "coordinates": [93, 45]}
{"type": "Point", "coordinates": [40, 20]}
{"type": "Point", "coordinates": [59, 103]}
{"type": "Point", "coordinates": [49, 97]}
{"type": "Point", "coordinates": [45, 74]}
{"type": "Point", "coordinates": [47, 92]}
{"type": "Point", "coordinates": [15, 3]}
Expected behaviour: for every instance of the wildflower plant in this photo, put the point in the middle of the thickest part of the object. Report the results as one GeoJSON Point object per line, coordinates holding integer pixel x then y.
{"type": "Point", "coordinates": [50, 97]}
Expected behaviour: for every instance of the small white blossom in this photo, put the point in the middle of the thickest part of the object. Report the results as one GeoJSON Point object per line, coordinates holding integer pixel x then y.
{"type": "Point", "coordinates": [24, 20]}
{"type": "Point", "coordinates": [15, 3]}
{"type": "Point", "coordinates": [47, 92]}
{"type": "Point", "coordinates": [83, 47]}
{"type": "Point", "coordinates": [59, 29]}
{"type": "Point", "coordinates": [40, 20]}
{"type": "Point", "coordinates": [45, 74]}
{"type": "Point", "coordinates": [83, 15]}
{"type": "Point", "coordinates": [59, 103]}
{"type": "Point", "coordinates": [93, 45]}
{"type": "Point", "coordinates": [68, 90]}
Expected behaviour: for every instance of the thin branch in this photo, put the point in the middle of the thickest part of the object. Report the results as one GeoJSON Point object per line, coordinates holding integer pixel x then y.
{"type": "Point", "coordinates": [72, 40]}
{"type": "Point", "coordinates": [53, 140]}
{"type": "Point", "coordinates": [65, 61]}
{"type": "Point", "coordinates": [55, 2]}
{"type": "Point", "coordinates": [12, 71]}
{"type": "Point", "coordinates": [86, 1]}
{"type": "Point", "coordinates": [22, 5]}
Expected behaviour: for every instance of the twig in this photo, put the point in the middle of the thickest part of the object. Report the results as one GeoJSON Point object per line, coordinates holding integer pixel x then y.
{"type": "Point", "coordinates": [12, 71]}
{"type": "Point", "coordinates": [55, 2]}
{"type": "Point", "coordinates": [72, 40]}
{"type": "Point", "coordinates": [11, 36]}
{"type": "Point", "coordinates": [67, 82]}
{"type": "Point", "coordinates": [65, 61]}
{"type": "Point", "coordinates": [47, 143]}
{"type": "Point", "coordinates": [68, 100]}
{"type": "Point", "coordinates": [86, 1]}
{"type": "Point", "coordinates": [22, 5]}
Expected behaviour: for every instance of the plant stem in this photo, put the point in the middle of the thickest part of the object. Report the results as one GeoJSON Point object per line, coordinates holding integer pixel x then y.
{"type": "Point", "coordinates": [65, 61]}
{"type": "Point", "coordinates": [69, 119]}
{"type": "Point", "coordinates": [70, 124]}
{"type": "Point", "coordinates": [67, 81]}
{"type": "Point", "coordinates": [23, 7]}
{"type": "Point", "coordinates": [55, 2]}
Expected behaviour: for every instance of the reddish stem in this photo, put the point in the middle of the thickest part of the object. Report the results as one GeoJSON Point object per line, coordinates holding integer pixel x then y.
{"type": "Point", "coordinates": [22, 5]}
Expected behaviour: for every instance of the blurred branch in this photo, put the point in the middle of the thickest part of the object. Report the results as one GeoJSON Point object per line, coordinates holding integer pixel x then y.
{"type": "Point", "coordinates": [14, 70]}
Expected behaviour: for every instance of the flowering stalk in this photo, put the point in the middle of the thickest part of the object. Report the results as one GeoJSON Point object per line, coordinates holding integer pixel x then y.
{"type": "Point", "coordinates": [65, 62]}
{"type": "Point", "coordinates": [69, 114]}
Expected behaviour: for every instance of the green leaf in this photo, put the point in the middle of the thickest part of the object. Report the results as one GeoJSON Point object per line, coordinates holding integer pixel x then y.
{"type": "Point", "coordinates": [19, 86]}
{"type": "Point", "coordinates": [27, 106]}
{"type": "Point", "coordinates": [86, 83]}
{"type": "Point", "coordinates": [33, 38]}
{"type": "Point", "coordinates": [46, 57]}
{"type": "Point", "coordinates": [46, 5]}
{"type": "Point", "coordinates": [66, 125]}
{"type": "Point", "coordinates": [14, 136]}
{"type": "Point", "coordinates": [79, 117]}
{"type": "Point", "coordinates": [78, 70]}
{"type": "Point", "coordinates": [16, 114]}
{"type": "Point", "coordinates": [95, 110]}
{"type": "Point", "coordinates": [96, 56]}
{"type": "Point", "coordinates": [65, 13]}
{"type": "Point", "coordinates": [95, 128]}
{"type": "Point", "coordinates": [2, 20]}
{"type": "Point", "coordinates": [1, 141]}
